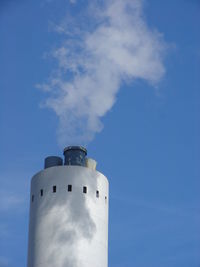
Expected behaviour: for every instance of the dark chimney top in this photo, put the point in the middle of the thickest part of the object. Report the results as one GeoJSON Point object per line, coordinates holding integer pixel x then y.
{"type": "Point", "coordinates": [75, 155]}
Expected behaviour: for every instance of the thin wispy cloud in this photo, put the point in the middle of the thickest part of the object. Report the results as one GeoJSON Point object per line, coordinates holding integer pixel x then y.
{"type": "Point", "coordinates": [4, 262]}
{"type": "Point", "coordinates": [182, 211]}
{"type": "Point", "coordinates": [95, 60]}
{"type": "Point", "coordinates": [13, 193]}
{"type": "Point", "coordinates": [10, 201]}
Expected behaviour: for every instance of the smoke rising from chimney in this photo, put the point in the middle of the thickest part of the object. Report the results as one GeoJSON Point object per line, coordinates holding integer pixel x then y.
{"type": "Point", "coordinates": [94, 61]}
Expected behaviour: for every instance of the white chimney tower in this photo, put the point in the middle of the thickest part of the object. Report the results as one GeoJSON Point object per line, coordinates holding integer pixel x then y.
{"type": "Point", "coordinates": [68, 224]}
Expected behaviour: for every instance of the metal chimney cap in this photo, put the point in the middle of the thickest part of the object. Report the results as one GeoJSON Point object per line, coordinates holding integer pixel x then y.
{"type": "Point", "coordinates": [75, 148]}
{"type": "Point", "coordinates": [52, 161]}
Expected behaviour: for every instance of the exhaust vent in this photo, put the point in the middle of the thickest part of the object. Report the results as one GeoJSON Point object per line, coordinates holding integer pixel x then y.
{"type": "Point", "coordinates": [75, 155]}
{"type": "Point", "coordinates": [52, 161]}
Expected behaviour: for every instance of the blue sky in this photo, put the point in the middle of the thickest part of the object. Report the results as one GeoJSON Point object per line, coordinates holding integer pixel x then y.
{"type": "Point", "coordinates": [148, 147]}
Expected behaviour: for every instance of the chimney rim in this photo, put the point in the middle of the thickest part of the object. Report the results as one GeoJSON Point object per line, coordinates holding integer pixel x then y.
{"type": "Point", "coordinates": [68, 148]}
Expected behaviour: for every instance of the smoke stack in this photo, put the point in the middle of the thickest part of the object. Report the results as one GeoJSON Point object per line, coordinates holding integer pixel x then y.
{"type": "Point", "coordinates": [68, 225]}
{"type": "Point", "coordinates": [52, 161]}
{"type": "Point", "coordinates": [75, 155]}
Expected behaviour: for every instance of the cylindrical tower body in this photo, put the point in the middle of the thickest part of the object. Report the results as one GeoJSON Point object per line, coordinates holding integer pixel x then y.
{"type": "Point", "coordinates": [68, 218]}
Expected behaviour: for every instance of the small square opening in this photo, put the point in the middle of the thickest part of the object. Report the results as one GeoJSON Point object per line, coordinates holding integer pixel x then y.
{"type": "Point", "coordinates": [69, 188]}
{"type": "Point", "coordinates": [54, 189]}
{"type": "Point", "coordinates": [85, 190]}
{"type": "Point", "coordinates": [97, 194]}
{"type": "Point", "coordinates": [41, 192]}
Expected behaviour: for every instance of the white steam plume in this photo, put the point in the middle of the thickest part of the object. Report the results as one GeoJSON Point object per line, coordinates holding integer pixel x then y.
{"type": "Point", "coordinates": [94, 61]}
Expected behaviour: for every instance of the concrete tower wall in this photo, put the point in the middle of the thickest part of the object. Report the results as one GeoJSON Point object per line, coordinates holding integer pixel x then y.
{"type": "Point", "coordinates": [68, 218]}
